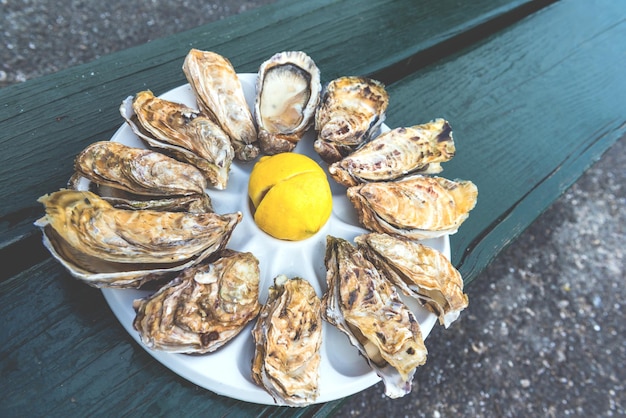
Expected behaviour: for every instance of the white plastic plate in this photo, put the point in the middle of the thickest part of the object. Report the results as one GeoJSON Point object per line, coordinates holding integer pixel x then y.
{"type": "Point", "coordinates": [343, 371]}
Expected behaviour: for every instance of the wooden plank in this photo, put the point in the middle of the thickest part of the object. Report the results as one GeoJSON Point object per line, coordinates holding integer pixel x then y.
{"type": "Point", "coordinates": [64, 349]}
{"type": "Point", "coordinates": [45, 122]}
{"type": "Point", "coordinates": [531, 108]}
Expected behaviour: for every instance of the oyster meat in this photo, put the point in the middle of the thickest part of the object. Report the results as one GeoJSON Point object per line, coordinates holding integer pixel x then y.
{"type": "Point", "coordinates": [220, 95]}
{"type": "Point", "coordinates": [109, 247]}
{"type": "Point", "coordinates": [396, 153]}
{"type": "Point", "coordinates": [419, 271]}
{"type": "Point", "coordinates": [350, 114]}
{"type": "Point", "coordinates": [182, 132]}
{"type": "Point", "coordinates": [203, 308]}
{"type": "Point", "coordinates": [416, 207]}
{"type": "Point", "coordinates": [288, 92]}
{"type": "Point", "coordinates": [365, 306]}
{"type": "Point", "coordinates": [288, 336]}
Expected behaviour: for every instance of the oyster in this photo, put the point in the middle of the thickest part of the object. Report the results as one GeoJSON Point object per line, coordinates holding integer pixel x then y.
{"type": "Point", "coordinates": [288, 92]}
{"type": "Point", "coordinates": [220, 95]}
{"type": "Point", "coordinates": [195, 203]}
{"type": "Point", "coordinates": [393, 154]}
{"type": "Point", "coordinates": [109, 247]}
{"type": "Point", "coordinates": [203, 308]}
{"type": "Point", "coordinates": [416, 207]}
{"type": "Point", "coordinates": [350, 114]}
{"type": "Point", "coordinates": [419, 271]}
{"type": "Point", "coordinates": [139, 171]}
{"type": "Point", "coordinates": [366, 307]}
{"type": "Point", "coordinates": [288, 336]}
{"type": "Point", "coordinates": [182, 132]}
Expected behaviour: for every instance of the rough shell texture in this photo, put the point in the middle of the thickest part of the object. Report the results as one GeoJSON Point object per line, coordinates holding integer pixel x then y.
{"type": "Point", "coordinates": [366, 307]}
{"type": "Point", "coordinates": [419, 271]}
{"type": "Point", "coordinates": [202, 308]}
{"type": "Point", "coordinates": [288, 336]}
{"type": "Point", "coordinates": [139, 171]}
{"type": "Point", "coordinates": [109, 247]}
{"type": "Point", "coordinates": [192, 204]}
{"type": "Point", "coordinates": [288, 92]}
{"type": "Point", "coordinates": [396, 153]}
{"type": "Point", "coordinates": [182, 132]}
{"type": "Point", "coordinates": [350, 114]}
{"type": "Point", "coordinates": [417, 207]}
{"type": "Point", "coordinates": [195, 203]}
{"type": "Point", "coordinates": [220, 95]}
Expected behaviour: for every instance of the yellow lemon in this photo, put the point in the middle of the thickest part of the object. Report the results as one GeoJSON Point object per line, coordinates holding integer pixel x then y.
{"type": "Point", "coordinates": [291, 196]}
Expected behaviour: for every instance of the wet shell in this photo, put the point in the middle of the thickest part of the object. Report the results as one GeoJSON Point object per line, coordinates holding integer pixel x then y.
{"type": "Point", "coordinates": [288, 92]}
{"type": "Point", "coordinates": [419, 271]}
{"type": "Point", "coordinates": [220, 95]}
{"type": "Point", "coordinates": [109, 247]}
{"type": "Point", "coordinates": [396, 153]}
{"type": "Point", "coordinates": [288, 336]}
{"type": "Point", "coordinates": [182, 132]}
{"type": "Point", "coordinates": [350, 114]}
{"type": "Point", "coordinates": [195, 203]}
{"type": "Point", "coordinates": [366, 307]}
{"type": "Point", "coordinates": [202, 308]}
{"type": "Point", "coordinates": [416, 207]}
{"type": "Point", "coordinates": [139, 171]}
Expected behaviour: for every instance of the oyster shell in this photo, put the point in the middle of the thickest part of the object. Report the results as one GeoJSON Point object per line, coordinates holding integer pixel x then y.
{"type": "Point", "coordinates": [192, 204]}
{"type": "Point", "coordinates": [182, 132]}
{"type": "Point", "coordinates": [416, 207]}
{"type": "Point", "coordinates": [288, 92]}
{"type": "Point", "coordinates": [220, 95]}
{"type": "Point", "coordinates": [109, 247]}
{"type": "Point", "coordinates": [419, 271]}
{"type": "Point", "coordinates": [288, 336]}
{"type": "Point", "coordinates": [195, 203]}
{"type": "Point", "coordinates": [203, 308]}
{"type": "Point", "coordinates": [366, 307]}
{"type": "Point", "coordinates": [393, 154]}
{"type": "Point", "coordinates": [139, 171]}
{"type": "Point", "coordinates": [350, 113]}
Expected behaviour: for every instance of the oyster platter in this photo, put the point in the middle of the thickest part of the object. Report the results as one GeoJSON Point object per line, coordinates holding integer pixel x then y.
{"type": "Point", "coordinates": [160, 218]}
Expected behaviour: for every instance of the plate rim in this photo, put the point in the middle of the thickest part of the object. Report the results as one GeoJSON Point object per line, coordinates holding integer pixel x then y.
{"type": "Point", "coordinates": [258, 394]}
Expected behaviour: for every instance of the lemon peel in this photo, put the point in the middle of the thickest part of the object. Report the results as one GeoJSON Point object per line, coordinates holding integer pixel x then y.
{"type": "Point", "coordinates": [291, 196]}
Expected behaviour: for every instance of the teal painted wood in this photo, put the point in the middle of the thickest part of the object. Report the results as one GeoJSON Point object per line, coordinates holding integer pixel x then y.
{"type": "Point", "coordinates": [65, 354]}
{"type": "Point", "coordinates": [46, 122]}
{"type": "Point", "coordinates": [531, 108]}
{"type": "Point", "coordinates": [545, 85]}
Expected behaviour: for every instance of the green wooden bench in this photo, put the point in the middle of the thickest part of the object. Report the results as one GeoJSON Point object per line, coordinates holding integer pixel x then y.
{"type": "Point", "coordinates": [534, 91]}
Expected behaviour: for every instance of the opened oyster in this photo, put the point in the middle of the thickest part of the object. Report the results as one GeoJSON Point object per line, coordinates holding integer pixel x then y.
{"type": "Point", "coordinates": [203, 308]}
{"type": "Point", "coordinates": [220, 95]}
{"type": "Point", "coordinates": [350, 114]}
{"type": "Point", "coordinates": [417, 207]}
{"type": "Point", "coordinates": [419, 271]}
{"type": "Point", "coordinates": [182, 132]}
{"type": "Point", "coordinates": [366, 307]}
{"type": "Point", "coordinates": [109, 247]}
{"type": "Point", "coordinates": [288, 92]}
{"type": "Point", "coordinates": [396, 153]}
{"type": "Point", "coordinates": [288, 336]}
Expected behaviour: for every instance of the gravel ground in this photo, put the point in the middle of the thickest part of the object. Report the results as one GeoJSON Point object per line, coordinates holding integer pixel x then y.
{"type": "Point", "coordinates": [543, 333]}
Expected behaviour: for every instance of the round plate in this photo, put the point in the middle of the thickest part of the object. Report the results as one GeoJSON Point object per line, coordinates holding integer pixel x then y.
{"type": "Point", "coordinates": [343, 371]}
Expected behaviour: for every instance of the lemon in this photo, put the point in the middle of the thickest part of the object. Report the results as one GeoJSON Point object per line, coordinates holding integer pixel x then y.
{"type": "Point", "coordinates": [291, 196]}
